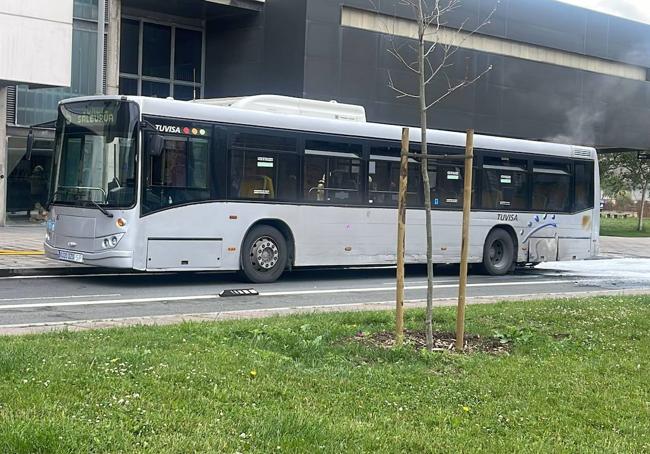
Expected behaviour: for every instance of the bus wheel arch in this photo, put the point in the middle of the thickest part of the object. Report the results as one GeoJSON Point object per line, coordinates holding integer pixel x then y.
{"type": "Point", "coordinates": [500, 250]}
{"type": "Point", "coordinates": [280, 237]}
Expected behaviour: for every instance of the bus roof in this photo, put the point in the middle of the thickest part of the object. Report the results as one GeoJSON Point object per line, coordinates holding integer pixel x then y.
{"type": "Point", "coordinates": [225, 114]}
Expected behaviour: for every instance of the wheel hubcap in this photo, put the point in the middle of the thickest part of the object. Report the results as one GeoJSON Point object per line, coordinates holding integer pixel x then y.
{"type": "Point", "coordinates": [496, 253]}
{"type": "Point", "coordinates": [264, 253]}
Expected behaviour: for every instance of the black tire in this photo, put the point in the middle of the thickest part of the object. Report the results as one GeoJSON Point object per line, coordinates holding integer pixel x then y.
{"type": "Point", "coordinates": [498, 253]}
{"type": "Point", "coordinates": [264, 254]}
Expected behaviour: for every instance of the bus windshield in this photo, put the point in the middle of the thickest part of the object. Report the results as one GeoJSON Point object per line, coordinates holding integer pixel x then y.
{"type": "Point", "coordinates": [95, 161]}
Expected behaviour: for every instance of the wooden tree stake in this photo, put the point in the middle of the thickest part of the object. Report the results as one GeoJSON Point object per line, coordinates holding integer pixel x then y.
{"type": "Point", "coordinates": [401, 238]}
{"type": "Point", "coordinates": [467, 205]}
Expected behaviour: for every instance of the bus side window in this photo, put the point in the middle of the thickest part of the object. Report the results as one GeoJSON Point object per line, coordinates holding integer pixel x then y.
{"type": "Point", "coordinates": [446, 183]}
{"type": "Point", "coordinates": [263, 167]}
{"type": "Point", "coordinates": [179, 175]}
{"type": "Point", "coordinates": [505, 183]}
{"type": "Point", "coordinates": [332, 172]}
{"type": "Point", "coordinates": [584, 185]}
{"type": "Point", "coordinates": [551, 186]}
{"type": "Point", "coordinates": [383, 178]}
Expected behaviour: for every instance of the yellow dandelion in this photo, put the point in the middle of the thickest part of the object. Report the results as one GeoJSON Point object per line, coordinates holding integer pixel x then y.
{"type": "Point", "coordinates": [253, 373]}
{"type": "Point", "coordinates": [466, 409]}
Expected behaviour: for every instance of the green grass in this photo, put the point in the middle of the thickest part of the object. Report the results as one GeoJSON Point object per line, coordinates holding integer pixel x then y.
{"type": "Point", "coordinates": [623, 227]}
{"type": "Point", "coordinates": [577, 380]}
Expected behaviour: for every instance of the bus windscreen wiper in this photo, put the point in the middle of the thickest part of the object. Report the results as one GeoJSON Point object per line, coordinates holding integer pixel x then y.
{"type": "Point", "coordinates": [99, 207]}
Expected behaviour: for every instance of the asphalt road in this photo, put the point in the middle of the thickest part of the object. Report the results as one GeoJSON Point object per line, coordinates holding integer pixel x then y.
{"type": "Point", "coordinates": [56, 300]}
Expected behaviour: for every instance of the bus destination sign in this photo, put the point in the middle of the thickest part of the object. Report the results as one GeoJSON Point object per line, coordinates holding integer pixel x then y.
{"type": "Point", "coordinates": [97, 117]}
{"type": "Point", "coordinates": [91, 114]}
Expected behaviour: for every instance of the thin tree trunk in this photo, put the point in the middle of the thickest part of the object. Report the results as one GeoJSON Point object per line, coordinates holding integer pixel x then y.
{"type": "Point", "coordinates": [425, 177]}
{"type": "Point", "coordinates": [642, 210]}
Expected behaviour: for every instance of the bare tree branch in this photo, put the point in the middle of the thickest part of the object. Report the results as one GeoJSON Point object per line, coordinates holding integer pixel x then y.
{"type": "Point", "coordinates": [401, 94]}
{"type": "Point", "coordinates": [461, 84]}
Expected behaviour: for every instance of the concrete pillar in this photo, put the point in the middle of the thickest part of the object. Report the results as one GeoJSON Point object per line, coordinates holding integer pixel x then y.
{"type": "Point", "coordinates": [113, 47]}
{"type": "Point", "coordinates": [4, 171]}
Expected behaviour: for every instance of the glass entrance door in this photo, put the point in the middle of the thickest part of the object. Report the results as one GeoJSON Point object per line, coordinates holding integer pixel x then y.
{"type": "Point", "coordinates": [28, 180]}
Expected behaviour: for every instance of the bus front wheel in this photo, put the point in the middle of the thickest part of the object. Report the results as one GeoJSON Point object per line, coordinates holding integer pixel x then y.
{"type": "Point", "coordinates": [498, 253]}
{"type": "Point", "coordinates": [264, 254]}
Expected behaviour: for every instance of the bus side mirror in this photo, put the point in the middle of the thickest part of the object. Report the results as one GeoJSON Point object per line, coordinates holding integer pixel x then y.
{"type": "Point", "coordinates": [30, 145]}
{"type": "Point", "coordinates": [156, 145]}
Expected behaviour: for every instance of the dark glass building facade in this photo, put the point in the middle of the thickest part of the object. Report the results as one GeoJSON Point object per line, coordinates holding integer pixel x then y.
{"type": "Point", "coordinates": [559, 73]}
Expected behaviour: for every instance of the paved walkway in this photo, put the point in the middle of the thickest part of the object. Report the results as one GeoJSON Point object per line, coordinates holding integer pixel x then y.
{"type": "Point", "coordinates": [622, 247]}
{"type": "Point", "coordinates": [22, 238]}
{"type": "Point", "coordinates": [21, 248]}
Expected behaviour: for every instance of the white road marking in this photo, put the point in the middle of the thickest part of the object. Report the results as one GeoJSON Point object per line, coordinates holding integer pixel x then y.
{"type": "Point", "coordinates": [121, 301]}
{"type": "Point", "coordinates": [263, 294]}
{"type": "Point", "coordinates": [105, 295]}
{"type": "Point", "coordinates": [435, 281]}
{"type": "Point", "coordinates": [412, 287]}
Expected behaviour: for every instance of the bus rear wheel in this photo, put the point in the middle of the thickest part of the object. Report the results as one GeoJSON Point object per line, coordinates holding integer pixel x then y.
{"type": "Point", "coordinates": [498, 253]}
{"type": "Point", "coordinates": [264, 254]}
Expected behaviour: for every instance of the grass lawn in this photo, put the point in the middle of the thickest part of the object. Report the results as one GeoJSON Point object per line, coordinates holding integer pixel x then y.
{"type": "Point", "coordinates": [623, 227]}
{"type": "Point", "coordinates": [576, 380]}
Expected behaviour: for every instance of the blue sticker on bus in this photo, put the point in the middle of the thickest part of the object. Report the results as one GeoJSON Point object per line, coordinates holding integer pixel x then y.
{"type": "Point", "coordinates": [436, 201]}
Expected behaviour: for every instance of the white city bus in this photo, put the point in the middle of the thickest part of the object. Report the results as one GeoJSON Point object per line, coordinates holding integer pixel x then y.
{"type": "Point", "coordinates": [264, 184]}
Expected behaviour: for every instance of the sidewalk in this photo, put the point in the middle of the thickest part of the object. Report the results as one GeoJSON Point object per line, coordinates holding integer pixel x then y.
{"type": "Point", "coordinates": [622, 247]}
{"type": "Point", "coordinates": [21, 252]}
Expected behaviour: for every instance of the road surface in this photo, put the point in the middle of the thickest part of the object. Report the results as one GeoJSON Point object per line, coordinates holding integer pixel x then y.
{"type": "Point", "coordinates": [29, 301]}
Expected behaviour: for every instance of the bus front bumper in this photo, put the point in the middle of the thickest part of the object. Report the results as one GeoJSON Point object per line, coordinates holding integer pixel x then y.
{"type": "Point", "coordinates": [108, 258]}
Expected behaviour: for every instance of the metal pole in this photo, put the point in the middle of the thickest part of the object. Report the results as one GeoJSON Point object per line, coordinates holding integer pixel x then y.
{"type": "Point", "coordinates": [401, 238]}
{"type": "Point", "coordinates": [4, 171]}
{"type": "Point", "coordinates": [464, 250]}
{"type": "Point", "coordinates": [101, 22]}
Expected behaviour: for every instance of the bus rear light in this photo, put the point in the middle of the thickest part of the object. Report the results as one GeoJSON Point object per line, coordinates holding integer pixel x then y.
{"type": "Point", "coordinates": [121, 222]}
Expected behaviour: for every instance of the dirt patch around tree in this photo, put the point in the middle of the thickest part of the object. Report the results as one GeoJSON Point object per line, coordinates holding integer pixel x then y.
{"type": "Point", "coordinates": [441, 341]}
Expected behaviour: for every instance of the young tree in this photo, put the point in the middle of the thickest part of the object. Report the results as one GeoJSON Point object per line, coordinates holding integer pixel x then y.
{"type": "Point", "coordinates": [621, 171]}
{"type": "Point", "coordinates": [428, 60]}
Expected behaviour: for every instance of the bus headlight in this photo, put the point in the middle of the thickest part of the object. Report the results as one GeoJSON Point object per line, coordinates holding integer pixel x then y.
{"type": "Point", "coordinates": [110, 241]}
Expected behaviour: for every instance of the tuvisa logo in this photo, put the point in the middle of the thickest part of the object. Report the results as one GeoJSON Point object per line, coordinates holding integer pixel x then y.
{"type": "Point", "coordinates": [169, 129]}
{"type": "Point", "coordinates": [507, 217]}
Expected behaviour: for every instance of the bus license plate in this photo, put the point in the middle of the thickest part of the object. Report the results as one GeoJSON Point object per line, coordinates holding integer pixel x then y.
{"type": "Point", "coordinates": [71, 256]}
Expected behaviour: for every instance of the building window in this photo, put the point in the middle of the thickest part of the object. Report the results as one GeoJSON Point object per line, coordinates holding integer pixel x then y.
{"type": "Point", "coordinates": [160, 60]}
